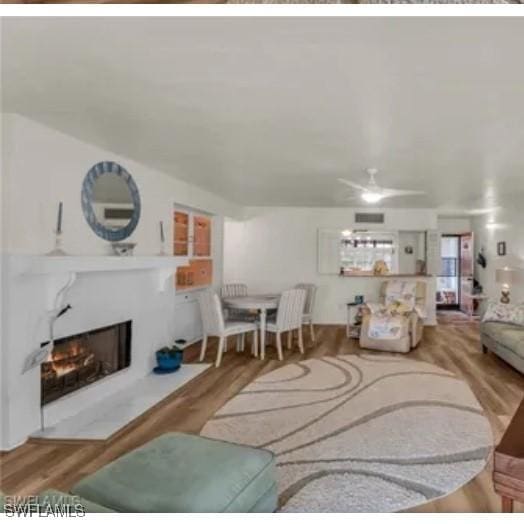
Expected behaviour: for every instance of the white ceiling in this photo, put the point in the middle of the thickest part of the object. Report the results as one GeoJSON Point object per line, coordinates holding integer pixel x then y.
{"type": "Point", "coordinates": [271, 111]}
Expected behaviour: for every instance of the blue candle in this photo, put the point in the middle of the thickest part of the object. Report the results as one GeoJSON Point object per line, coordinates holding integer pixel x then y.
{"type": "Point", "coordinates": [162, 231]}
{"type": "Point", "coordinates": [59, 219]}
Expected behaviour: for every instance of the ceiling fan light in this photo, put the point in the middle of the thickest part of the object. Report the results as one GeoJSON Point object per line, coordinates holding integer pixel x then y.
{"type": "Point", "coordinates": [371, 197]}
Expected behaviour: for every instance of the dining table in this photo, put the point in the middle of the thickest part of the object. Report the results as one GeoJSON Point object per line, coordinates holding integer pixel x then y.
{"type": "Point", "coordinates": [260, 303]}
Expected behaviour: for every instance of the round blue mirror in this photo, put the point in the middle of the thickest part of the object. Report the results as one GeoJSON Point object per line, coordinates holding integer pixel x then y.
{"type": "Point", "coordinates": [110, 201]}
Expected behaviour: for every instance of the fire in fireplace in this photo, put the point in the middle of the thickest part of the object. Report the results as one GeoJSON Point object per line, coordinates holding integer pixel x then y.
{"type": "Point", "coordinates": [82, 359]}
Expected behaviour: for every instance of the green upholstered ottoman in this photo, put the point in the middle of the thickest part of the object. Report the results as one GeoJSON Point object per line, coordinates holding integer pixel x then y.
{"type": "Point", "coordinates": [185, 473]}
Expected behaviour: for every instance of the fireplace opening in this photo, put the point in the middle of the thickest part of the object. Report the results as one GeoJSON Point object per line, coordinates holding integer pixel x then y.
{"type": "Point", "coordinates": [82, 359]}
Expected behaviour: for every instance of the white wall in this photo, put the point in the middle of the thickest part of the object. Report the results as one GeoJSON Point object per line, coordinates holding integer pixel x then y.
{"type": "Point", "coordinates": [41, 167]}
{"type": "Point", "coordinates": [45, 166]}
{"type": "Point", "coordinates": [274, 248]}
{"type": "Point", "coordinates": [454, 226]}
{"type": "Point", "coordinates": [407, 263]}
{"type": "Point", "coordinates": [509, 227]}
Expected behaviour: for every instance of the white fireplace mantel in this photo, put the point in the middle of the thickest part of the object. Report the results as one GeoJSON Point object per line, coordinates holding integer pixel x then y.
{"type": "Point", "coordinates": [48, 265]}
{"type": "Point", "coordinates": [60, 272]}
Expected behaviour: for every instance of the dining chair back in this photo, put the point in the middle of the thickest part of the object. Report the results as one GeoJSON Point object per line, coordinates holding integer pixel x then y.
{"type": "Point", "coordinates": [288, 318]}
{"type": "Point", "coordinates": [233, 290]}
{"type": "Point", "coordinates": [211, 311]}
{"type": "Point", "coordinates": [311, 291]}
{"type": "Point", "coordinates": [290, 309]}
{"type": "Point", "coordinates": [236, 290]}
{"type": "Point", "coordinates": [214, 325]}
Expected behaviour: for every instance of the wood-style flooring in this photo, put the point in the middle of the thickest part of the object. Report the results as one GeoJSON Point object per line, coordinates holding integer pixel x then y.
{"type": "Point", "coordinates": [38, 464]}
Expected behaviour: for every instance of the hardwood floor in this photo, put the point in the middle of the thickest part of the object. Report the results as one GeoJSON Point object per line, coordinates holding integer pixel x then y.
{"type": "Point", "coordinates": [499, 388]}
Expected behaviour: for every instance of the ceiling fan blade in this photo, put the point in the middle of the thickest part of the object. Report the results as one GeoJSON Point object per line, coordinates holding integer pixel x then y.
{"type": "Point", "coordinates": [349, 183]}
{"type": "Point", "coordinates": [346, 198]}
{"type": "Point", "coordinates": [389, 192]}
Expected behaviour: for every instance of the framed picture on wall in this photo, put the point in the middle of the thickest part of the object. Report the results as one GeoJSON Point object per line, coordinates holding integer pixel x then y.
{"type": "Point", "coordinates": [501, 249]}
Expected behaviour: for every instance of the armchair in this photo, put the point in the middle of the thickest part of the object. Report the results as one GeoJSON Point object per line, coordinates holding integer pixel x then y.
{"type": "Point", "coordinates": [412, 327]}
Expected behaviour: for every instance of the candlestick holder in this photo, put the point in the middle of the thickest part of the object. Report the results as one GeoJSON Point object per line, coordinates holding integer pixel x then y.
{"type": "Point", "coordinates": [57, 251]}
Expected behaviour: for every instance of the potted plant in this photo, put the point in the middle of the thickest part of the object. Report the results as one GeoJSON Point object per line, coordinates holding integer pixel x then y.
{"type": "Point", "coordinates": [169, 358]}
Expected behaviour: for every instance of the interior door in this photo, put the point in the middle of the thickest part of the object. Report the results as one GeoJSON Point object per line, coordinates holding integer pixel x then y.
{"type": "Point", "coordinates": [466, 273]}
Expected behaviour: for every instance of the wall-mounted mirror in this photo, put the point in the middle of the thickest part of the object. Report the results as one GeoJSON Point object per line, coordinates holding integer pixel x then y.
{"type": "Point", "coordinates": [110, 201]}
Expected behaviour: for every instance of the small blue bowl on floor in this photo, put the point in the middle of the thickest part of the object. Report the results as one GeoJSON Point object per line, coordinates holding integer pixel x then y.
{"type": "Point", "coordinates": [168, 361]}
{"type": "Point", "coordinates": [164, 371]}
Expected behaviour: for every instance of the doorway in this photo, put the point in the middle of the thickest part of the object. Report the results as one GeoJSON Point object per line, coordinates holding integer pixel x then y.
{"type": "Point", "coordinates": [455, 278]}
{"type": "Point", "coordinates": [448, 279]}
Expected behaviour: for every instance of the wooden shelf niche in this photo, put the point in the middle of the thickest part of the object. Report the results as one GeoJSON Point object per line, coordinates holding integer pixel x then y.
{"type": "Point", "coordinates": [199, 273]}
{"type": "Point", "coordinates": [181, 234]}
{"type": "Point", "coordinates": [202, 236]}
{"type": "Point", "coordinates": [192, 237]}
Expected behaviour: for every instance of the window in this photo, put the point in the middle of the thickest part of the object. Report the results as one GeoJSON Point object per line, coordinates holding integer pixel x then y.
{"type": "Point", "coordinates": [360, 252]}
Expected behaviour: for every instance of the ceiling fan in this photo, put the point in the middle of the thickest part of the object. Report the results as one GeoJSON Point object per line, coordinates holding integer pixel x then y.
{"type": "Point", "coordinates": [373, 193]}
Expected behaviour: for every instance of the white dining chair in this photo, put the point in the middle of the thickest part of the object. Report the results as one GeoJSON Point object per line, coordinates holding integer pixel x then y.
{"type": "Point", "coordinates": [236, 290]}
{"type": "Point", "coordinates": [214, 325]}
{"type": "Point", "coordinates": [307, 317]}
{"type": "Point", "coordinates": [233, 290]}
{"type": "Point", "coordinates": [288, 318]}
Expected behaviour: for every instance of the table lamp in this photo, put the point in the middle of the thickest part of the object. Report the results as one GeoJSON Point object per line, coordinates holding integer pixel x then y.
{"type": "Point", "coordinates": [506, 277]}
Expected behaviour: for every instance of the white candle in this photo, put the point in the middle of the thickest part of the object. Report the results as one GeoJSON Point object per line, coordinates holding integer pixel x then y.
{"type": "Point", "coordinates": [59, 219]}
{"type": "Point", "coordinates": [162, 231]}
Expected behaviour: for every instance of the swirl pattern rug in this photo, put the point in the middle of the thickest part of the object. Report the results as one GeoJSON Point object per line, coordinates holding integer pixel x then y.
{"type": "Point", "coordinates": [360, 433]}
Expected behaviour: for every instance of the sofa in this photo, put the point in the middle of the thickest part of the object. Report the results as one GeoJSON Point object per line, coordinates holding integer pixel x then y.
{"type": "Point", "coordinates": [177, 473]}
{"type": "Point", "coordinates": [412, 329]}
{"type": "Point", "coordinates": [505, 340]}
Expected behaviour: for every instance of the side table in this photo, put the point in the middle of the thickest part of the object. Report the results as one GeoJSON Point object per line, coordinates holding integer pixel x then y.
{"type": "Point", "coordinates": [354, 319]}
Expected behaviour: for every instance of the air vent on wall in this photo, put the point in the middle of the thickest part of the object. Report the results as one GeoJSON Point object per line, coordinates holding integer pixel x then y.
{"type": "Point", "coordinates": [369, 218]}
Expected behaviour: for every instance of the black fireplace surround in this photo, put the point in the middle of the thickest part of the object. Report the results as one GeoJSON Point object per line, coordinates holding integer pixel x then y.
{"type": "Point", "coordinates": [82, 359]}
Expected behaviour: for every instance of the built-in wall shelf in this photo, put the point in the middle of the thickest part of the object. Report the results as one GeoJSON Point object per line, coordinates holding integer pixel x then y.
{"type": "Point", "coordinates": [192, 237]}
{"type": "Point", "coordinates": [49, 265]}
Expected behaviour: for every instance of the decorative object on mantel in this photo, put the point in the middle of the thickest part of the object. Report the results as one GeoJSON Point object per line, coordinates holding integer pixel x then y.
{"type": "Point", "coordinates": [58, 251]}
{"type": "Point", "coordinates": [110, 201]}
{"type": "Point", "coordinates": [501, 249]}
{"type": "Point", "coordinates": [169, 359]}
{"type": "Point", "coordinates": [123, 249]}
{"type": "Point", "coordinates": [506, 277]}
{"type": "Point", "coordinates": [162, 240]}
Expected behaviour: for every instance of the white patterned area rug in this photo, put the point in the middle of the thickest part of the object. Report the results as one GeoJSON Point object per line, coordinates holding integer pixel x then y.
{"type": "Point", "coordinates": [360, 433]}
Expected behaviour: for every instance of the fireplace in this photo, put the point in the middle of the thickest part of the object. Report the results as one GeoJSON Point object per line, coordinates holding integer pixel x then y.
{"type": "Point", "coordinates": [82, 359]}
